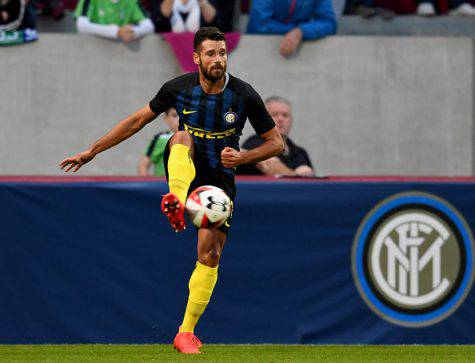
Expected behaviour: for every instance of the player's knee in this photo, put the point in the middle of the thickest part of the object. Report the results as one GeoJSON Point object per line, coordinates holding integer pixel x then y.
{"type": "Point", "coordinates": [182, 137]}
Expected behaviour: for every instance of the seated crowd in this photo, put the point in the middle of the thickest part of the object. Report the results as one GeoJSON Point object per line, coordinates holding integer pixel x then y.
{"type": "Point", "coordinates": [17, 22]}
{"type": "Point", "coordinates": [389, 8]}
{"type": "Point", "coordinates": [297, 20]}
{"type": "Point", "coordinates": [126, 20]}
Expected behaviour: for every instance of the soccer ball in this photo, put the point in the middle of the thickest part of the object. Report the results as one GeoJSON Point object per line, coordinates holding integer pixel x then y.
{"type": "Point", "coordinates": [208, 207]}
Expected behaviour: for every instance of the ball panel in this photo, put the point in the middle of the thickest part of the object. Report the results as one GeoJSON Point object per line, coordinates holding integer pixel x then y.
{"type": "Point", "coordinates": [208, 206]}
{"type": "Point", "coordinates": [204, 221]}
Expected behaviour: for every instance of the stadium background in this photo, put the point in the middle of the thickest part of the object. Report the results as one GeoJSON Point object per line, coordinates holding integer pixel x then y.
{"type": "Point", "coordinates": [363, 105]}
{"type": "Point", "coordinates": [353, 98]}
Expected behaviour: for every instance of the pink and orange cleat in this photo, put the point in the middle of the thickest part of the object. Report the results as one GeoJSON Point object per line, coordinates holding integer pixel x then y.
{"type": "Point", "coordinates": [174, 210]}
{"type": "Point", "coordinates": [187, 343]}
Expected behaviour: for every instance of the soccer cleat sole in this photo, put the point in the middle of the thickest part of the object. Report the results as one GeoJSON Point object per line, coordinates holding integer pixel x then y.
{"type": "Point", "coordinates": [174, 210]}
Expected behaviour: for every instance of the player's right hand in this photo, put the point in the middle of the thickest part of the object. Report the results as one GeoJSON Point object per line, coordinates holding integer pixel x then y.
{"type": "Point", "coordinates": [76, 161]}
{"type": "Point", "coordinates": [230, 157]}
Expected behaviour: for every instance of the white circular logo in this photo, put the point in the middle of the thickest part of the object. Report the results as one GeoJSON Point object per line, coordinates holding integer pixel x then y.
{"type": "Point", "coordinates": [413, 259]}
{"type": "Point", "coordinates": [403, 250]}
{"type": "Point", "coordinates": [230, 117]}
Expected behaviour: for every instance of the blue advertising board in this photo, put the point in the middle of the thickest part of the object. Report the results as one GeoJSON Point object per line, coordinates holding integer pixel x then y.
{"type": "Point", "coordinates": [321, 262]}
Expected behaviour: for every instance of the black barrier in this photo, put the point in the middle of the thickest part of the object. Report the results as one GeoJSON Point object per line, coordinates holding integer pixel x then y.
{"type": "Point", "coordinates": [305, 262]}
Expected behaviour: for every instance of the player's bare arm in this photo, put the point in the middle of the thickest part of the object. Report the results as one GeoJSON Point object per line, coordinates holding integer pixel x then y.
{"type": "Point", "coordinates": [273, 145]}
{"type": "Point", "coordinates": [123, 130]}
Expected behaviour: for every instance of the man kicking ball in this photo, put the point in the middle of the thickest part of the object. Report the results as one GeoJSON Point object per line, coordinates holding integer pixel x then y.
{"type": "Point", "coordinates": [213, 107]}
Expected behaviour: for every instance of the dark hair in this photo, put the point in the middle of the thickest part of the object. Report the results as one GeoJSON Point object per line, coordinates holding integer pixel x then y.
{"type": "Point", "coordinates": [205, 33]}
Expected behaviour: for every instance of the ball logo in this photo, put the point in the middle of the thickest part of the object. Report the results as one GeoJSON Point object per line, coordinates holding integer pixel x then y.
{"type": "Point", "coordinates": [230, 117]}
{"type": "Point", "coordinates": [412, 259]}
{"type": "Point", "coordinates": [220, 204]}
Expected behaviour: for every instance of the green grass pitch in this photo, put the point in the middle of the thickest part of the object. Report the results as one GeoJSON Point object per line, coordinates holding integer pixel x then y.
{"type": "Point", "coordinates": [236, 353]}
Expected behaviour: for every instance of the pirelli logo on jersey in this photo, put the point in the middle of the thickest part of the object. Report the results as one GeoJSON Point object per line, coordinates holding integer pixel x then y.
{"type": "Point", "coordinates": [208, 134]}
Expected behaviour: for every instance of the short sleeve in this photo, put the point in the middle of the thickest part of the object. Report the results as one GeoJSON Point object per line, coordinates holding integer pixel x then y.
{"type": "Point", "coordinates": [81, 8]}
{"type": "Point", "coordinates": [151, 146]}
{"type": "Point", "coordinates": [163, 100]}
{"type": "Point", "coordinates": [259, 118]}
{"type": "Point", "coordinates": [303, 158]}
{"type": "Point", "coordinates": [138, 13]}
{"type": "Point", "coordinates": [250, 143]}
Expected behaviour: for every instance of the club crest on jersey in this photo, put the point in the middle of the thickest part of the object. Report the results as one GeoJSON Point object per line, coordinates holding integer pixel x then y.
{"type": "Point", "coordinates": [230, 117]}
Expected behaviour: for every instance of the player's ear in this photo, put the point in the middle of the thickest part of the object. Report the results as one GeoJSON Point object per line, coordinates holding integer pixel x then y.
{"type": "Point", "coordinates": [196, 58]}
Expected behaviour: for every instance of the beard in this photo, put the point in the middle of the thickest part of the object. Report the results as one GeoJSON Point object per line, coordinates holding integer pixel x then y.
{"type": "Point", "coordinates": [218, 73]}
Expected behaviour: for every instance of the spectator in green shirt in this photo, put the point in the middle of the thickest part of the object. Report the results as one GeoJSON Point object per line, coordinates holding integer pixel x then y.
{"type": "Point", "coordinates": [154, 153]}
{"type": "Point", "coordinates": [113, 19]}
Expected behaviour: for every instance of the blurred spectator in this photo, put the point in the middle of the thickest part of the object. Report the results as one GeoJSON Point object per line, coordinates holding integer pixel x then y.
{"type": "Point", "coordinates": [227, 16]}
{"type": "Point", "coordinates": [294, 161]}
{"type": "Point", "coordinates": [112, 19]}
{"type": "Point", "coordinates": [55, 8]}
{"type": "Point", "coordinates": [400, 7]}
{"type": "Point", "coordinates": [297, 19]}
{"type": "Point", "coordinates": [183, 15]}
{"type": "Point", "coordinates": [17, 22]}
{"type": "Point", "coordinates": [154, 153]}
{"type": "Point", "coordinates": [426, 8]}
{"type": "Point", "coordinates": [457, 8]}
{"type": "Point", "coordinates": [245, 6]}
{"type": "Point", "coordinates": [367, 9]}
{"type": "Point", "coordinates": [364, 8]}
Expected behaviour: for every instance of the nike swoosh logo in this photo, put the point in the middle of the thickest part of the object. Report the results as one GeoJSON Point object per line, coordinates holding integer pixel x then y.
{"type": "Point", "coordinates": [185, 112]}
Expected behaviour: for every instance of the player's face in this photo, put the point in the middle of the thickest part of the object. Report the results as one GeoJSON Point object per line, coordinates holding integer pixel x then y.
{"type": "Point", "coordinates": [282, 116]}
{"type": "Point", "coordinates": [212, 59]}
{"type": "Point", "coordinates": [172, 119]}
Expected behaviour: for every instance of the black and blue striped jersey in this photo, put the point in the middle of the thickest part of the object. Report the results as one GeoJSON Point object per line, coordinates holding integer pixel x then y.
{"type": "Point", "coordinates": [215, 121]}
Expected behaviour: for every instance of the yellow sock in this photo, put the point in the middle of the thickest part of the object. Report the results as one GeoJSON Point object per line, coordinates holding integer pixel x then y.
{"type": "Point", "coordinates": [181, 171]}
{"type": "Point", "coordinates": [201, 286]}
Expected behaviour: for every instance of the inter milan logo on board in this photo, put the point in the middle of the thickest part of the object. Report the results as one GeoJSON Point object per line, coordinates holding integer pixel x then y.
{"type": "Point", "coordinates": [413, 259]}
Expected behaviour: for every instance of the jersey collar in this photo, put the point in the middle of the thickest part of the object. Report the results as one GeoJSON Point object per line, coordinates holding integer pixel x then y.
{"type": "Point", "coordinates": [226, 80]}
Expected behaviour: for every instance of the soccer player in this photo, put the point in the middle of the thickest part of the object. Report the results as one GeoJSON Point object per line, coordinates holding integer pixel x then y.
{"type": "Point", "coordinates": [213, 106]}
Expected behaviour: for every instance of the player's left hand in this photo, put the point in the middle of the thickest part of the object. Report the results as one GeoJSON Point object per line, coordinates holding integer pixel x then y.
{"type": "Point", "coordinates": [290, 42]}
{"type": "Point", "coordinates": [231, 157]}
